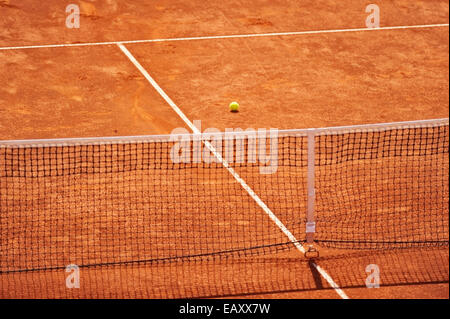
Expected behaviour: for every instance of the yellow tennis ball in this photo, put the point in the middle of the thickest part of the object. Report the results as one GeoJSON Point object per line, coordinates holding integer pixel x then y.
{"type": "Point", "coordinates": [234, 106]}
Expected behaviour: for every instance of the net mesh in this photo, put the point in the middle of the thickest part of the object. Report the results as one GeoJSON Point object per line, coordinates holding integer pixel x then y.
{"type": "Point", "coordinates": [383, 189]}
{"type": "Point", "coordinates": [262, 276]}
{"type": "Point", "coordinates": [115, 205]}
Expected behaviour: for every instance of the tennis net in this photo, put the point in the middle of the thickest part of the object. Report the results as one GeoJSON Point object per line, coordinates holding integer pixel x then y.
{"type": "Point", "coordinates": [110, 201]}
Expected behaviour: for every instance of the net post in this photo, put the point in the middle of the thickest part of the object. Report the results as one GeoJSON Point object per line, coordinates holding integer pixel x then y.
{"type": "Point", "coordinates": [310, 221]}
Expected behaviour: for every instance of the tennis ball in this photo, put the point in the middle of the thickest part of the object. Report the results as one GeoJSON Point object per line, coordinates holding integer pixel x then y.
{"type": "Point", "coordinates": [234, 107]}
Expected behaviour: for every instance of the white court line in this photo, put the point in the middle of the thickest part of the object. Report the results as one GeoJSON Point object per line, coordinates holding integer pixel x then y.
{"type": "Point", "coordinates": [330, 280]}
{"type": "Point", "coordinates": [244, 185]}
{"type": "Point", "coordinates": [252, 35]}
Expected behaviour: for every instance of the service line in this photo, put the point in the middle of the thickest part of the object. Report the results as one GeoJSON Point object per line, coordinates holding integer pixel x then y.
{"type": "Point", "coordinates": [233, 36]}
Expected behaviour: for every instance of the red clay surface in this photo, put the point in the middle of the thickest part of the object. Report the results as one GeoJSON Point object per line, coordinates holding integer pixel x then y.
{"type": "Point", "coordinates": [26, 22]}
{"type": "Point", "coordinates": [283, 82]}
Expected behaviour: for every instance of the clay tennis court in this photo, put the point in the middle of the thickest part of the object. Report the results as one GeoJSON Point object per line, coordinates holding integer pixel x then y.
{"type": "Point", "coordinates": [290, 66]}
